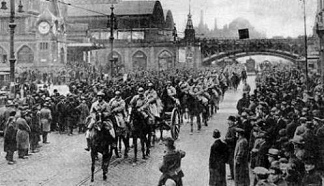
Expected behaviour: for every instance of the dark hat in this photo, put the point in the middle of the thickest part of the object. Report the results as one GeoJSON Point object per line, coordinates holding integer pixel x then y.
{"type": "Point", "coordinates": [169, 142]}
{"type": "Point", "coordinates": [216, 134]}
{"type": "Point", "coordinates": [231, 118]}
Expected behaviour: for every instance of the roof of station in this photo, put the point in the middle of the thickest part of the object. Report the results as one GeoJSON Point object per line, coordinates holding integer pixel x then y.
{"type": "Point", "coordinates": [102, 7]}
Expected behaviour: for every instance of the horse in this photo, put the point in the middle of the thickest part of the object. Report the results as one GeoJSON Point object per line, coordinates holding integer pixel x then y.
{"type": "Point", "coordinates": [139, 128]}
{"type": "Point", "coordinates": [101, 141]}
{"type": "Point", "coordinates": [194, 107]}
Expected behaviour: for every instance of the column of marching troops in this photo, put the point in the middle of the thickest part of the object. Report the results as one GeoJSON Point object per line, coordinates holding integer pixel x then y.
{"type": "Point", "coordinates": [277, 137]}
{"type": "Point", "coordinates": [28, 121]}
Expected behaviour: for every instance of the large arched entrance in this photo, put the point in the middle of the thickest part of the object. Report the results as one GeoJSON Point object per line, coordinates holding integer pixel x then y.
{"type": "Point", "coordinates": [25, 55]}
{"type": "Point", "coordinates": [3, 55]}
{"type": "Point", "coordinates": [139, 61]}
{"type": "Point", "coordinates": [165, 60]}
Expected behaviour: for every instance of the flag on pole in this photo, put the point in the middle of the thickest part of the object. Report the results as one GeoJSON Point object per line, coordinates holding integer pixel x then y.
{"type": "Point", "coordinates": [244, 33]}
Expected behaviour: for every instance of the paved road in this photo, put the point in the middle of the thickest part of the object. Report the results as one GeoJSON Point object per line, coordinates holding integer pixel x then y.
{"type": "Point", "coordinates": [64, 162]}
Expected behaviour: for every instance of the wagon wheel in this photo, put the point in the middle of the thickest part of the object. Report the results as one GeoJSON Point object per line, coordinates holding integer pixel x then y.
{"type": "Point", "coordinates": [175, 124]}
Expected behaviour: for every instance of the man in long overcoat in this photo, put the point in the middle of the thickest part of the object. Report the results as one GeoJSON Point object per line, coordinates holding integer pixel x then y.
{"type": "Point", "coordinates": [217, 160]}
{"type": "Point", "coordinates": [241, 166]}
{"type": "Point", "coordinates": [35, 130]}
{"type": "Point", "coordinates": [10, 142]}
{"type": "Point", "coordinates": [45, 117]}
{"type": "Point", "coordinates": [230, 140]}
{"type": "Point", "coordinates": [22, 135]}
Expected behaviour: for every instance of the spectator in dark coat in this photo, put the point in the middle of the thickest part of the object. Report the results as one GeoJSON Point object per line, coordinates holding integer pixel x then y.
{"type": "Point", "coordinates": [22, 136]}
{"type": "Point", "coordinates": [241, 153]}
{"type": "Point", "coordinates": [230, 140]}
{"type": "Point", "coordinates": [243, 103]}
{"type": "Point", "coordinates": [312, 176]}
{"type": "Point", "coordinates": [10, 142]}
{"type": "Point", "coordinates": [217, 160]}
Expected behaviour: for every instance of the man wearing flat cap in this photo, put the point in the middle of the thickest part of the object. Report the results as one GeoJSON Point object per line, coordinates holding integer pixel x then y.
{"type": "Point", "coordinates": [217, 160]}
{"type": "Point", "coordinates": [241, 166]}
{"type": "Point", "coordinates": [262, 174]}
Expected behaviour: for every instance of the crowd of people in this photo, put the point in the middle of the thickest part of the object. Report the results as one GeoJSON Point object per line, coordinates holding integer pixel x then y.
{"type": "Point", "coordinates": [277, 134]}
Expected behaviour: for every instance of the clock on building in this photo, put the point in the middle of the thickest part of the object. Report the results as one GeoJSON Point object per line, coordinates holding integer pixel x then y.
{"type": "Point", "coordinates": [44, 27]}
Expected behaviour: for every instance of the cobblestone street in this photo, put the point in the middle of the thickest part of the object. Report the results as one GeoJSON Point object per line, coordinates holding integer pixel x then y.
{"type": "Point", "coordinates": [65, 162]}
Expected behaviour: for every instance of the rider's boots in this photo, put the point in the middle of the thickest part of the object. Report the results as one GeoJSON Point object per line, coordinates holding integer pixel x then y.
{"type": "Point", "coordinates": [88, 145]}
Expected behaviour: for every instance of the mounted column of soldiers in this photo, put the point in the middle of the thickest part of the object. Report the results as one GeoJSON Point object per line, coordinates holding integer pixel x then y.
{"type": "Point", "coordinates": [45, 113]}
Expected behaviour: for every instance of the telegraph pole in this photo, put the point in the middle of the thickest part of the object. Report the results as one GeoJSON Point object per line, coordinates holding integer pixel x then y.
{"type": "Point", "coordinates": [111, 38]}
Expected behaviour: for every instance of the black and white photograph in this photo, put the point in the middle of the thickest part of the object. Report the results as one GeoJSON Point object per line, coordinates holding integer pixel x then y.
{"type": "Point", "coordinates": [162, 92]}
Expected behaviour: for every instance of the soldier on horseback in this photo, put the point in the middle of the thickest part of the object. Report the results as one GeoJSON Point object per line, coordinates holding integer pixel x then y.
{"type": "Point", "coordinates": [117, 107]}
{"type": "Point", "coordinates": [99, 109]}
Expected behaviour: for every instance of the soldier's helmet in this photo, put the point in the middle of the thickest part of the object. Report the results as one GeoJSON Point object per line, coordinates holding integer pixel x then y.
{"type": "Point", "coordinates": [140, 90]}
{"type": "Point", "coordinates": [100, 94]}
{"type": "Point", "coordinates": [150, 84]}
{"type": "Point", "coordinates": [117, 93]}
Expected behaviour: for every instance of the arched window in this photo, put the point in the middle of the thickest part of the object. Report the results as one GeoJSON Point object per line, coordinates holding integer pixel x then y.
{"type": "Point", "coordinates": [139, 61]}
{"type": "Point", "coordinates": [3, 55]}
{"type": "Point", "coordinates": [25, 55]}
{"type": "Point", "coordinates": [165, 60]}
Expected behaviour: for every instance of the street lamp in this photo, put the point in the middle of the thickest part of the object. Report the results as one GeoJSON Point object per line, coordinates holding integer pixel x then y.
{"type": "Point", "coordinates": [111, 39]}
{"type": "Point", "coordinates": [12, 26]}
{"type": "Point", "coordinates": [306, 53]}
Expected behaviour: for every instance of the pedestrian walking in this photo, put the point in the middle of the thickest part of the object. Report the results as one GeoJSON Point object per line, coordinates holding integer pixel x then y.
{"type": "Point", "coordinates": [241, 167]}
{"type": "Point", "coordinates": [171, 165]}
{"type": "Point", "coordinates": [217, 161]}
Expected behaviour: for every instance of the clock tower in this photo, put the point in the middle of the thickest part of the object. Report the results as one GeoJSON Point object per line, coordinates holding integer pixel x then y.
{"type": "Point", "coordinates": [51, 38]}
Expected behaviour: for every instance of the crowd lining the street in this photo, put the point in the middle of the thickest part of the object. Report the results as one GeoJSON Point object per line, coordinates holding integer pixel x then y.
{"type": "Point", "coordinates": [277, 134]}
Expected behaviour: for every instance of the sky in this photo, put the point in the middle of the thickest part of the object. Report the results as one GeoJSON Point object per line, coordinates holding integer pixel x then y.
{"type": "Point", "coordinates": [273, 17]}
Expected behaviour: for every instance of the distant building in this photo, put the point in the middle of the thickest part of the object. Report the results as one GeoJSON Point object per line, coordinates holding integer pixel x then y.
{"type": "Point", "coordinates": [40, 36]}
{"type": "Point", "coordinates": [144, 36]}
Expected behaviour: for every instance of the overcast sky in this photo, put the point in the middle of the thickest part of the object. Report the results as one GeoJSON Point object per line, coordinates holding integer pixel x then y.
{"type": "Point", "coordinates": [273, 17]}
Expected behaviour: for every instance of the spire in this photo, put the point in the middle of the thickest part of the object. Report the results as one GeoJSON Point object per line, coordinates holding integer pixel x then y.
{"type": "Point", "coordinates": [201, 18]}
{"type": "Point", "coordinates": [189, 31]}
{"type": "Point", "coordinates": [189, 21]}
{"type": "Point", "coordinates": [215, 26]}
{"type": "Point", "coordinates": [189, 7]}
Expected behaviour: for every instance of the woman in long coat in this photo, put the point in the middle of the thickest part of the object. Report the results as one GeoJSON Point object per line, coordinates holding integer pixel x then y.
{"type": "Point", "coordinates": [22, 136]}
{"type": "Point", "coordinates": [241, 167]}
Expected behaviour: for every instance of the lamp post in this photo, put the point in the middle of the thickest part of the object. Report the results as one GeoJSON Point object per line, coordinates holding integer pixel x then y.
{"type": "Point", "coordinates": [12, 26]}
{"type": "Point", "coordinates": [111, 39]}
{"type": "Point", "coordinates": [306, 53]}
